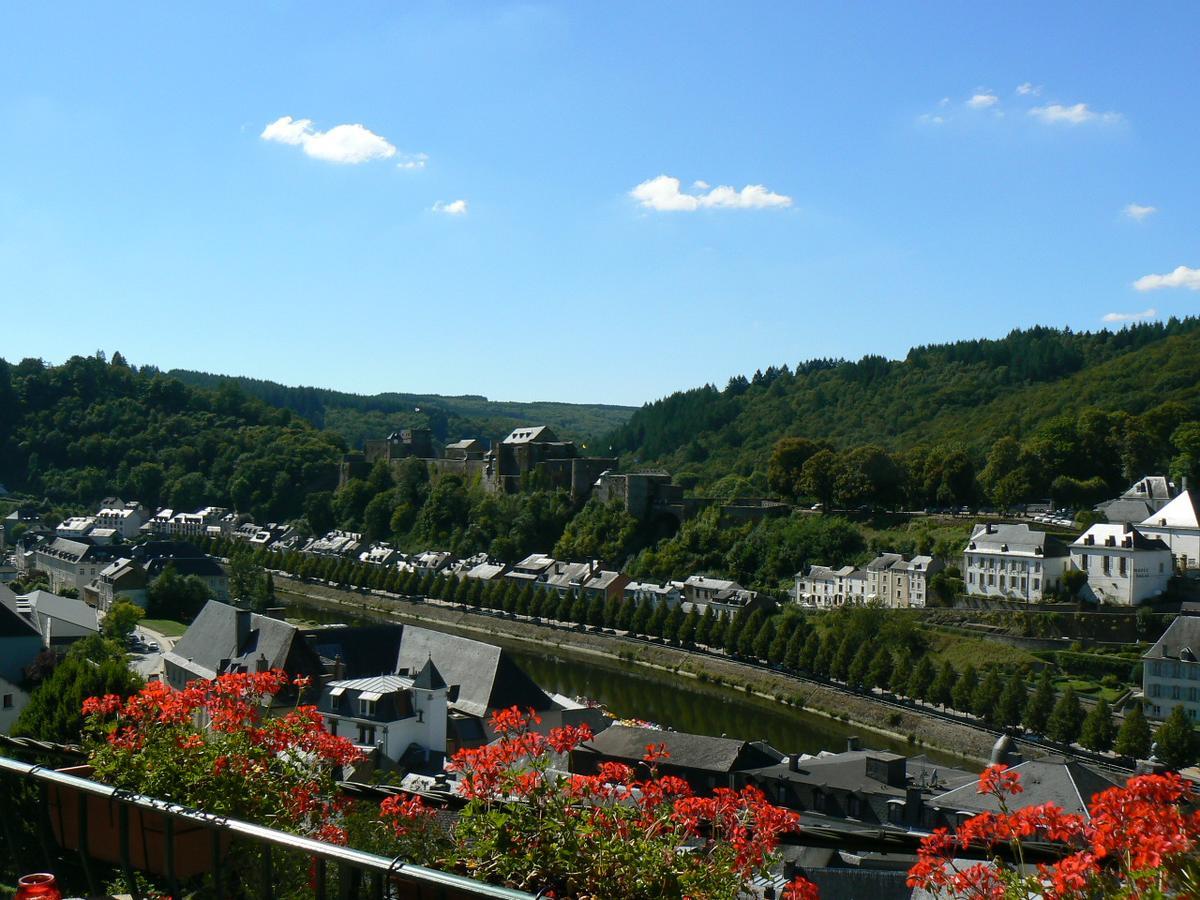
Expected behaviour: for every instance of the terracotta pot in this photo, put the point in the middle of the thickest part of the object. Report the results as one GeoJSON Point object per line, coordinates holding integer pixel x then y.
{"type": "Point", "coordinates": [147, 832]}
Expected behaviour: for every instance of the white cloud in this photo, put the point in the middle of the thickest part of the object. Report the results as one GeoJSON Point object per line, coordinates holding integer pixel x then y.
{"type": "Point", "coordinates": [350, 144]}
{"type": "Point", "coordinates": [1028, 88]}
{"type": "Point", "coordinates": [663, 194]}
{"type": "Point", "coordinates": [945, 101]}
{"type": "Point", "coordinates": [983, 100]}
{"type": "Point", "coordinates": [1131, 317]}
{"type": "Point", "coordinates": [1137, 212]}
{"type": "Point", "coordinates": [453, 208]}
{"type": "Point", "coordinates": [1181, 277]}
{"type": "Point", "coordinates": [1078, 114]}
{"type": "Point", "coordinates": [413, 161]}
{"type": "Point", "coordinates": [700, 185]}
{"type": "Point", "coordinates": [931, 119]}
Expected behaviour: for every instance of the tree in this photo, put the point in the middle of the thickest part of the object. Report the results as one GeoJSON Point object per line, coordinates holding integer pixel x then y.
{"type": "Point", "coordinates": [93, 667]}
{"type": "Point", "coordinates": [244, 577]}
{"type": "Point", "coordinates": [1175, 740]}
{"type": "Point", "coordinates": [1040, 705]}
{"type": "Point", "coordinates": [171, 597]}
{"type": "Point", "coordinates": [921, 680]}
{"type": "Point", "coordinates": [1098, 731]}
{"type": "Point", "coordinates": [788, 457]}
{"type": "Point", "coordinates": [1133, 739]}
{"type": "Point", "coordinates": [1067, 719]}
{"type": "Point", "coordinates": [880, 672]}
{"type": "Point", "coordinates": [1012, 701]}
{"type": "Point", "coordinates": [941, 691]}
{"type": "Point", "coordinates": [901, 671]}
{"type": "Point", "coordinates": [856, 675]}
{"type": "Point", "coordinates": [964, 689]}
{"type": "Point", "coordinates": [810, 653]}
{"type": "Point", "coordinates": [819, 475]}
{"type": "Point", "coordinates": [840, 667]}
{"type": "Point", "coordinates": [121, 619]}
{"type": "Point", "coordinates": [985, 701]}
{"type": "Point", "coordinates": [689, 628]}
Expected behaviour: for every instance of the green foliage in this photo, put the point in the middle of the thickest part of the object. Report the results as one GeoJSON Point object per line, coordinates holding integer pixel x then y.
{"type": "Point", "coordinates": [1041, 704]}
{"type": "Point", "coordinates": [1066, 720]}
{"type": "Point", "coordinates": [600, 531]}
{"type": "Point", "coordinates": [1098, 731]}
{"type": "Point", "coordinates": [1081, 405]}
{"type": "Point", "coordinates": [87, 429]}
{"type": "Point", "coordinates": [121, 618]}
{"type": "Point", "coordinates": [170, 596]}
{"type": "Point", "coordinates": [1133, 739]}
{"type": "Point", "coordinates": [1012, 701]}
{"type": "Point", "coordinates": [93, 667]}
{"type": "Point", "coordinates": [1175, 742]}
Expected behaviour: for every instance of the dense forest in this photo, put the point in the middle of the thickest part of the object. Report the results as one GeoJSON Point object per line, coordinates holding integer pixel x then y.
{"type": "Point", "coordinates": [1070, 404]}
{"type": "Point", "coordinates": [76, 433]}
{"type": "Point", "coordinates": [357, 417]}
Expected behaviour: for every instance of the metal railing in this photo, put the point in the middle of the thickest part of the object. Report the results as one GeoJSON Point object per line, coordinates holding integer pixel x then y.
{"type": "Point", "coordinates": [359, 874]}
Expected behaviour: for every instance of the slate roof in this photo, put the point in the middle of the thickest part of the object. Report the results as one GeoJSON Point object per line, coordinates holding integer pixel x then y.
{"type": "Point", "coordinates": [212, 639]}
{"type": "Point", "coordinates": [1126, 510]}
{"type": "Point", "coordinates": [687, 751]}
{"type": "Point", "coordinates": [537, 434]}
{"type": "Point", "coordinates": [365, 650]}
{"type": "Point", "coordinates": [1102, 532]}
{"type": "Point", "coordinates": [1018, 540]}
{"type": "Point", "coordinates": [429, 678]}
{"type": "Point", "coordinates": [1183, 634]}
{"type": "Point", "coordinates": [76, 612]}
{"type": "Point", "coordinates": [485, 676]}
{"type": "Point", "coordinates": [1069, 785]}
{"type": "Point", "coordinates": [12, 623]}
{"type": "Point", "coordinates": [1152, 487]}
{"type": "Point", "coordinates": [884, 561]}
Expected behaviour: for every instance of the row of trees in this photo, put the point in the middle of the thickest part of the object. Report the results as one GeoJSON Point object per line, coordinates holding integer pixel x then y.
{"type": "Point", "coordinates": [861, 648]}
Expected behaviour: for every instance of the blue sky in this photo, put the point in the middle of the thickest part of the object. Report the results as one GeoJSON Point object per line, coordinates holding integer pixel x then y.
{"type": "Point", "coordinates": [498, 223]}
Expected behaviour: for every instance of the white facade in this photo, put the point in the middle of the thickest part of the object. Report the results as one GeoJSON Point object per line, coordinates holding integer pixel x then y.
{"type": "Point", "coordinates": [1178, 526]}
{"type": "Point", "coordinates": [389, 713]}
{"type": "Point", "coordinates": [910, 581]}
{"type": "Point", "coordinates": [75, 527]}
{"type": "Point", "coordinates": [654, 594]}
{"type": "Point", "coordinates": [1171, 670]}
{"type": "Point", "coordinates": [1012, 562]}
{"type": "Point", "coordinates": [1122, 565]}
{"type": "Point", "coordinates": [825, 587]}
{"type": "Point", "coordinates": [126, 520]}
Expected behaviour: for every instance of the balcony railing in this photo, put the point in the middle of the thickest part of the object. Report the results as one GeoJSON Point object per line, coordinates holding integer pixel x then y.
{"type": "Point", "coordinates": [70, 803]}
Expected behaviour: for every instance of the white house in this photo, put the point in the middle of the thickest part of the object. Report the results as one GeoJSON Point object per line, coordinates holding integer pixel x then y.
{"type": "Point", "coordinates": [654, 594]}
{"type": "Point", "coordinates": [1012, 562]}
{"type": "Point", "coordinates": [75, 527]}
{"type": "Point", "coordinates": [879, 582]}
{"type": "Point", "coordinates": [61, 620]}
{"type": "Point", "coordinates": [910, 581]}
{"type": "Point", "coordinates": [127, 520]}
{"type": "Point", "coordinates": [1122, 565]}
{"type": "Point", "coordinates": [1145, 496]}
{"type": "Point", "coordinates": [825, 586]}
{"type": "Point", "coordinates": [1178, 525]}
{"type": "Point", "coordinates": [1171, 670]}
{"type": "Point", "coordinates": [402, 717]}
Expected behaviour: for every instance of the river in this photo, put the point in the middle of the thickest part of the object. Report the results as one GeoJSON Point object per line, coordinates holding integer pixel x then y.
{"type": "Point", "coordinates": [673, 701]}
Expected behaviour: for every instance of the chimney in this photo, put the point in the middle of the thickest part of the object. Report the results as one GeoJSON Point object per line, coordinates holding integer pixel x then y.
{"type": "Point", "coordinates": [243, 627]}
{"type": "Point", "coordinates": [913, 803]}
{"type": "Point", "coordinates": [794, 762]}
{"type": "Point", "coordinates": [1128, 527]}
{"type": "Point", "coordinates": [339, 668]}
{"type": "Point", "coordinates": [854, 742]}
{"type": "Point", "coordinates": [991, 529]}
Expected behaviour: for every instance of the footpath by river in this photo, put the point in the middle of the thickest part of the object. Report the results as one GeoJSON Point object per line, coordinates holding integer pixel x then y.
{"type": "Point", "coordinates": [670, 686]}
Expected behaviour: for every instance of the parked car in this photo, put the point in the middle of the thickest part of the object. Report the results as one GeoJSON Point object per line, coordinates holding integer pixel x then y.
{"type": "Point", "coordinates": [153, 647]}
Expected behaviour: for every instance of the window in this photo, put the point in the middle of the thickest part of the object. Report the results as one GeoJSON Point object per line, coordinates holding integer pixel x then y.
{"type": "Point", "coordinates": [1174, 692]}
{"type": "Point", "coordinates": [1122, 568]}
{"type": "Point", "coordinates": [332, 726]}
{"type": "Point", "coordinates": [853, 807]}
{"type": "Point", "coordinates": [970, 578]}
{"type": "Point", "coordinates": [366, 708]}
{"type": "Point", "coordinates": [991, 578]}
{"type": "Point", "coordinates": [818, 800]}
{"type": "Point", "coordinates": [1083, 561]}
{"type": "Point", "coordinates": [8, 701]}
{"type": "Point", "coordinates": [1156, 691]}
{"type": "Point", "coordinates": [1106, 564]}
{"type": "Point", "coordinates": [366, 735]}
{"type": "Point", "coordinates": [1037, 584]}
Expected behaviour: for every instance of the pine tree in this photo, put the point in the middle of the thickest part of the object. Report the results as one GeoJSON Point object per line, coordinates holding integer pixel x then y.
{"type": "Point", "coordinates": [1040, 705]}
{"type": "Point", "coordinates": [595, 612]}
{"type": "Point", "coordinates": [640, 623]}
{"type": "Point", "coordinates": [823, 665]}
{"type": "Point", "coordinates": [673, 623]}
{"type": "Point", "coordinates": [578, 609]}
{"type": "Point", "coordinates": [688, 629]}
{"type": "Point", "coordinates": [941, 691]}
{"type": "Point", "coordinates": [808, 656]}
{"type": "Point", "coordinates": [1098, 731]}
{"type": "Point", "coordinates": [611, 608]}
{"type": "Point", "coordinates": [1012, 701]}
{"type": "Point", "coordinates": [777, 651]}
{"type": "Point", "coordinates": [1175, 741]}
{"type": "Point", "coordinates": [704, 627]}
{"type": "Point", "coordinates": [756, 638]}
{"type": "Point", "coordinates": [793, 653]}
{"type": "Point", "coordinates": [1133, 740]}
{"type": "Point", "coordinates": [625, 614]}
{"type": "Point", "coordinates": [840, 668]}
{"type": "Point", "coordinates": [658, 620]}
{"type": "Point", "coordinates": [921, 680]}
{"type": "Point", "coordinates": [716, 633]}
{"type": "Point", "coordinates": [985, 701]}
{"type": "Point", "coordinates": [522, 606]}
{"type": "Point", "coordinates": [901, 671]}
{"type": "Point", "coordinates": [880, 672]}
{"type": "Point", "coordinates": [964, 689]}
{"type": "Point", "coordinates": [1067, 719]}
{"type": "Point", "coordinates": [856, 675]}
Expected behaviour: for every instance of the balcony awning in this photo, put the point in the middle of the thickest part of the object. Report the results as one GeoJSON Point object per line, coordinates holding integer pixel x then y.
{"type": "Point", "coordinates": [337, 692]}
{"type": "Point", "coordinates": [369, 695]}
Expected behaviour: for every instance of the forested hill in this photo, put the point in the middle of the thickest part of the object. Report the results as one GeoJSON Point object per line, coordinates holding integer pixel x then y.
{"type": "Point", "coordinates": [966, 394]}
{"type": "Point", "coordinates": [357, 417]}
{"type": "Point", "coordinates": [76, 433]}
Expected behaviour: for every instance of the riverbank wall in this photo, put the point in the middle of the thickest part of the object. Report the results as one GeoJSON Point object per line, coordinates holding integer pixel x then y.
{"type": "Point", "coordinates": [898, 723]}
